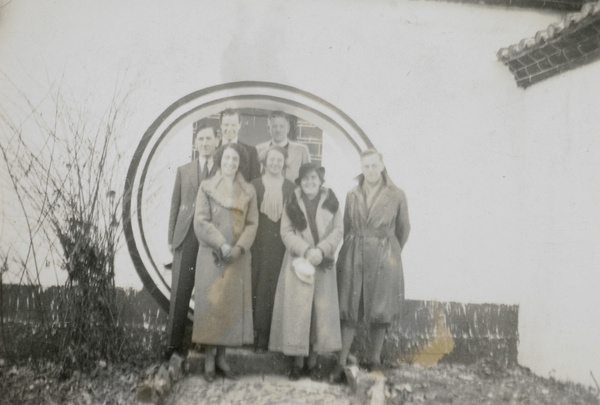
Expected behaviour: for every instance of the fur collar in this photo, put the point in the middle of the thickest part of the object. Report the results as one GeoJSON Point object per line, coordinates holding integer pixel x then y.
{"type": "Point", "coordinates": [295, 213]}
{"type": "Point", "coordinates": [242, 192]}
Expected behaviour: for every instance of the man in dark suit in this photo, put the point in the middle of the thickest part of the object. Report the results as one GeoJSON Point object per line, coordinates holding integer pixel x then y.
{"type": "Point", "coordinates": [231, 122]}
{"type": "Point", "coordinates": [182, 239]}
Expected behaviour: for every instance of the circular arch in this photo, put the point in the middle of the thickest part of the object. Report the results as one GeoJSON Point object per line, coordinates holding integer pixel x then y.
{"type": "Point", "coordinates": [344, 133]}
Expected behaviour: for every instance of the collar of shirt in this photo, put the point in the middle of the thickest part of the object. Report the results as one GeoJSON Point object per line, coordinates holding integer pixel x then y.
{"type": "Point", "coordinates": [201, 161]}
{"type": "Point", "coordinates": [282, 145]}
{"type": "Point", "coordinates": [234, 140]}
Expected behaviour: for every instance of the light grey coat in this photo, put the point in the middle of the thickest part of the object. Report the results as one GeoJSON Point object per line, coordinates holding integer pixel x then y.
{"type": "Point", "coordinates": [223, 292]}
{"type": "Point", "coordinates": [299, 305]}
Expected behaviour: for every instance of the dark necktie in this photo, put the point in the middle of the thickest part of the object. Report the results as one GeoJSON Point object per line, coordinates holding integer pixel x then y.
{"type": "Point", "coordinates": [205, 170]}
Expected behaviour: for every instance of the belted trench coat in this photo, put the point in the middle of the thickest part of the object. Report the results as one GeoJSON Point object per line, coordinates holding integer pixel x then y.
{"type": "Point", "coordinates": [223, 291]}
{"type": "Point", "coordinates": [369, 266]}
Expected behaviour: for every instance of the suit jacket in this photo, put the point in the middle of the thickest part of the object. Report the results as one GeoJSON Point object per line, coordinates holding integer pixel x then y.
{"type": "Point", "coordinates": [183, 201]}
{"type": "Point", "coordinates": [297, 155]}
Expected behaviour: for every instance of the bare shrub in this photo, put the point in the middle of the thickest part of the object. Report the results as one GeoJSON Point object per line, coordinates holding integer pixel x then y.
{"type": "Point", "coordinates": [62, 162]}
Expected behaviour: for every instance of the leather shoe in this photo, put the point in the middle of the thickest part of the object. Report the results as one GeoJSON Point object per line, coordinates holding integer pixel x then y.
{"type": "Point", "coordinates": [170, 350]}
{"type": "Point", "coordinates": [338, 375]}
{"type": "Point", "coordinates": [295, 373]}
{"type": "Point", "coordinates": [370, 367]}
{"type": "Point", "coordinates": [315, 373]}
{"type": "Point", "coordinates": [229, 374]}
{"type": "Point", "coordinates": [209, 376]}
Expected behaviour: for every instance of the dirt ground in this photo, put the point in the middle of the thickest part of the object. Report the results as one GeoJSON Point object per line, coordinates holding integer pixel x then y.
{"type": "Point", "coordinates": [481, 383]}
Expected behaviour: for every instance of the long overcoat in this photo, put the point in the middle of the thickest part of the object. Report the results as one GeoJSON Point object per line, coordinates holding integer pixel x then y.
{"type": "Point", "coordinates": [299, 305]}
{"type": "Point", "coordinates": [267, 255]}
{"type": "Point", "coordinates": [223, 291]}
{"type": "Point", "coordinates": [369, 263]}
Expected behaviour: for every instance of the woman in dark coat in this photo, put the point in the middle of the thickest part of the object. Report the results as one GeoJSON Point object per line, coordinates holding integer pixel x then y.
{"type": "Point", "coordinates": [225, 224]}
{"type": "Point", "coordinates": [267, 252]}
{"type": "Point", "coordinates": [369, 268]}
{"type": "Point", "coordinates": [305, 313]}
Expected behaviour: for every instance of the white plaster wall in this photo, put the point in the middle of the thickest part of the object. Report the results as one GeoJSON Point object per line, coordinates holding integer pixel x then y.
{"type": "Point", "coordinates": [502, 183]}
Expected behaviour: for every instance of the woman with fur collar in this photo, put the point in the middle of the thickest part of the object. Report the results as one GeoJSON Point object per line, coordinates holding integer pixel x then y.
{"type": "Point", "coordinates": [225, 224]}
{"type": "Point", "coordinates": [306, 313]}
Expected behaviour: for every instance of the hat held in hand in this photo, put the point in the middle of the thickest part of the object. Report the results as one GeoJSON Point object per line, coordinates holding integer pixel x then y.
{"type": "Point", "coordinates": [304, 270]}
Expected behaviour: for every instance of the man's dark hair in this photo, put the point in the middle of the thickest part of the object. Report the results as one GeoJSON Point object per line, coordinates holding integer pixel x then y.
{"type": "Point", "coordinates": [205, 125]}
{"type": "Point", "coordinates": [370, 152]}
{"type": "Point", "coordinates": [230, 111]}
{"type": "Point", "coordinates": [279, 114]}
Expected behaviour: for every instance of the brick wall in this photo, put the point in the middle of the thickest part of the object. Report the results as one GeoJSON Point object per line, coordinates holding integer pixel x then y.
{"type": "Point", "coordinates": [312, 137]}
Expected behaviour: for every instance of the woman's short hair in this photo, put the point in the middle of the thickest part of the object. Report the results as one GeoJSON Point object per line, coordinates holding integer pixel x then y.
{"type": "Point", "coordinates": [240, 151]}
{"type": "Point", "coordinates": [308, 168]}
{"type": "Point", "coordinates": [276, 148]}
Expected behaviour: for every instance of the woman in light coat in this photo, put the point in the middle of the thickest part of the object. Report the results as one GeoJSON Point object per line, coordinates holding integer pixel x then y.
{"type": "Point", "coordinates": [225, 224]}
{"type": "Point", "coordinates": [306, 313]}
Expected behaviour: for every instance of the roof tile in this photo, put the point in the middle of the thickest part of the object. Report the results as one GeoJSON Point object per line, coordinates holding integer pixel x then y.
{"type": "Point", "coordinates": [589, 45]}
{"type": "Point", "coordinates": [564, 45]}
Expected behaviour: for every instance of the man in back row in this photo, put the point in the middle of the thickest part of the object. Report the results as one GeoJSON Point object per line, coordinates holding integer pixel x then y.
{"type": "Point", "coordinates": [231, 123]}
{"type": "Point", "coordinates": [279, 128]}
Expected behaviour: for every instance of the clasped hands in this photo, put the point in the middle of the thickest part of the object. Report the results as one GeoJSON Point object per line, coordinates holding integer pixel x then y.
{"type": "Point", "coordinates": [230, 253]}
{"type": "Point", "coordinates": [314, 256]}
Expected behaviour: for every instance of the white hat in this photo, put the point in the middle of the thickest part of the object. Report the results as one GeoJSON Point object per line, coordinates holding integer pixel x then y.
{"type": "Point", "coordinates": [304, 270]}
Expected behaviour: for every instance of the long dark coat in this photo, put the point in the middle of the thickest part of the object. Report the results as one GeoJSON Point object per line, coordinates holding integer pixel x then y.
{"type": "Point", "coordinates": [223, 292]}
{"type": "Point", "coordinates": [299, 305]}
{"type": "Point", "coordinates": [370, 263]}
{"type": "Point", "coordinates": [267, 256]}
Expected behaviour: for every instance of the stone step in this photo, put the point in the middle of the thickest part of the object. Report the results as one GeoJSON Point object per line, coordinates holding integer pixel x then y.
{"type": "Point", "coordinates": [246, 361]}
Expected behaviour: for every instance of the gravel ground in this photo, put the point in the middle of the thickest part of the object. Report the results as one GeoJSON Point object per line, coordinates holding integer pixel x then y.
{"type": "Point", "coordinates": [481, 383]}
{"type": "Point", "coordinates": [257, 390]}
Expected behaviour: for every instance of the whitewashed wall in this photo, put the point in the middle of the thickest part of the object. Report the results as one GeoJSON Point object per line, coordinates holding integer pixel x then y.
{"type": "Point", "coordinates": [502, 183]}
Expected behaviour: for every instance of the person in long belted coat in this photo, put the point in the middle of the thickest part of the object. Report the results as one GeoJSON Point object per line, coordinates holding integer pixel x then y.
{"type": "Point", "coordinates": [369, 267]}
{"type": "Point", "coordinates": [305, 312]}
{"type": "Point", "coordinates": [225, 223]}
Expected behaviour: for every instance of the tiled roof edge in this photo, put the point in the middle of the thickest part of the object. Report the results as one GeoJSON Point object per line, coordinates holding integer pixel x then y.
{"type": "Point", "coordinates": [553, 31]}
{"type": "Point", "coordinates": [563, 5]}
